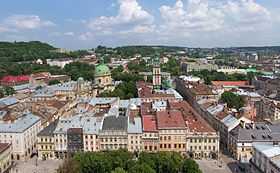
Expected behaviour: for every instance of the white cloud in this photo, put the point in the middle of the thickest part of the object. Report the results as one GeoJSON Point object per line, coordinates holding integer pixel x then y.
{"type": "Point", "coordinates": [130, 15]}
{"type": "Point", "coordinates": [196, 16]}
{"type": "Point", "coordinates": [69, 33]}
{"type": "Point", "coordinates": [244, 12]}
{"type": "Point", "coordinates": [86, 36]}
{"type": "Point", "coordinates": [27, 22]}
{"type": "Point", "coordinates": [208, 15]}
{"type": "Point", "coordinates": [3, 29]}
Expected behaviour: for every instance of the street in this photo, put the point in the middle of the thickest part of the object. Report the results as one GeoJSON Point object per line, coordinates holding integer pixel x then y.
{"type": "Point", "coordinates": [225, 165]}
{"type": "Point", "coordinates": [47, 166]}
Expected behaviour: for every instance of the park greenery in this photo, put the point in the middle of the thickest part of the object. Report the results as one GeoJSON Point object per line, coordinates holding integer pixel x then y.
{"type": "Point", "coordinates": [232, 100]}
{"type": "Point", "coordinates": [6, 91]}
{"type": "Point", "coordinates": [122, 161]}
{"type": "Point", "coordinates": [209, 76]}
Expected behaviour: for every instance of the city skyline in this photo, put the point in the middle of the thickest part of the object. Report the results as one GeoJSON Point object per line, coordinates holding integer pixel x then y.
{"type": "Point", "coordinates": [191, 23]}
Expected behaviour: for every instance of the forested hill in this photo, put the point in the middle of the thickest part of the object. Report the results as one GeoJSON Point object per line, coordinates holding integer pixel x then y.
{"type": "Point", "coordinates": [27, 51]}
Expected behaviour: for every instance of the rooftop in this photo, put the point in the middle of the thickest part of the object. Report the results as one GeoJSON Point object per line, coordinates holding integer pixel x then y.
{"type": "Point", "coordinates": [230, 83]}
{"type": "Point", "coordinates": [19, 125]}
{"type": "Point", "coordinates": [257, 132]}
{"type": "Point", "coordinates": [88, 123]}
{"type": "Point", "coordinates": [171, 119]}
{"type": "Point", "coordinates": [149, 123]}
{"type": "Point", "coordinates": [4, 146]}
{"type": "Point", "coordinates": [48, 131]}
{"type": "Point", "coordinates": [134, 126]}
{"type": "Point", "coordinates": [115, 123]}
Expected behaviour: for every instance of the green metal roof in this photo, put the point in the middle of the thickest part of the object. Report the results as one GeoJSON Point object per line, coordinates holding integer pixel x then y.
{"type": "Point", "coordinates": [102, 70]}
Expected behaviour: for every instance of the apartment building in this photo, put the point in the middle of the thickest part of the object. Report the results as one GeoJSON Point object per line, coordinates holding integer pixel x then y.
{"type": "Point", "coordinates": [77, 133]}
{"type": "Point", "coordinates": [172, 131]}
{"type": "Point", "coordinates": [268, 109]}
{"type": "Point", "coordinates": [242, 138]}
{"type": "Point", "coordinates": [113, 134]}
{"type": "Point", "coordinates": [45, 142]}
{"type": "Point", "coordinates": [5, 157]}
{"type": "Point", "coordinates": [21, 133]}
{"type": "Point", "coordinates": [265, 158]}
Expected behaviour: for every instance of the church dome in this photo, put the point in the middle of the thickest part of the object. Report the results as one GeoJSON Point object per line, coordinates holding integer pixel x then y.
{"type": "Point", "coordinates": [102, 70]}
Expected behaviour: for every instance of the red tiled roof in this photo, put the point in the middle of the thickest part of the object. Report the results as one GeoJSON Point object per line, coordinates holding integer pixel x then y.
{"type": "Point", "coordinates": [149, 123]}
{"type": "Point", "coordinates": [145, 90]}
{"type": "Point", "coordinates": [171, 119]}
{"type": "Point", "coordinates": [193, 120]}
{"type": "Point", "coordinates": [230, 83]}
{"type": "Point", "coordinates": [11, 79]}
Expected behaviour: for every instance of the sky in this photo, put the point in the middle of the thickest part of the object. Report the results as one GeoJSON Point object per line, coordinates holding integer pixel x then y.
{"type": "Point", "coordinates": [80, 24]}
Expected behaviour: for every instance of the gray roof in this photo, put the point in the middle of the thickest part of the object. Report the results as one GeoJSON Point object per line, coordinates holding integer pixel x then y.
{"type": "Point", "coordinates": [49, 91]}
{"type": "Point", "coordinates": [115, 123]}
{"type": "Point", "coordinates": [48, 131]}
{"type": "Point", "coordinates": [7, 101]}
{"type": "Point", "coordinates": [88, 123]}
{"type": "Point", "coordinates": [20, 125]}
{"type": "Point", "coordinates": [102, 100]}
{"type": "Point", "coordinates": [268, 149]}
{"type": "Point", "coordinates": [135, 126]}
{"type": "Point", "coordinates": [257, 132]}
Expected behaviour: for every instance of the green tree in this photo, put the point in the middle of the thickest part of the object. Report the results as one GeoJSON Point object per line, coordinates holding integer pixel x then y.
{"type": "Point", "coordinates": [141, 168]}
{"type": "Point", "coordinates": [9, 91]}
{"type": "Point", "coordinates": [54, 82]}
{"type": "Point", "coordinates": [119, 170]}
{"type": "Point", "coordinates": [232, 100]}
{"type": "Point", "coordinates": [190, 166]}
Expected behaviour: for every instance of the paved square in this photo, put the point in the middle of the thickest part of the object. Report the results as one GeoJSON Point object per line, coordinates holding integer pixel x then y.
{"type": "Point", "coordinates": [47, 166]}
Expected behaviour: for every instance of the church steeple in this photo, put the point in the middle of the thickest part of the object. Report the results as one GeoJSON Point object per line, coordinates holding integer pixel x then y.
{"type": "Point", "coordinates": [156, 72]}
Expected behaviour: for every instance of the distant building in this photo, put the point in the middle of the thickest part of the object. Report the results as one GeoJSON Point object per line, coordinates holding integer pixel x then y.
{"type": "Point", "coordinates": [14, 80]}
{"type": "Point", "coordinates": [102, 78]}
{"type": "Point", "coordinates": [268, 109]}
{"type": "Point", "coordinates": [197, 66]}
{"type": "Point", "coordinates": [59, 62]}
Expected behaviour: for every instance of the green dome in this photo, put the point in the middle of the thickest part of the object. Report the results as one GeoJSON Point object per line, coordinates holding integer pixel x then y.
{"type": "Point", "coordinates": [102, 70]}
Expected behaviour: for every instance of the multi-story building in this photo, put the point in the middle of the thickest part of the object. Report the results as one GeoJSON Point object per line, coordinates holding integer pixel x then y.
{"type": "Point", "coordinates": [242, 137]}
{"type": "Point", "coordinates": [5, 157]}
{"type": "Point", "coordinates": [268, 109]}
{"type": "Point", "coordinates": [113, 134]}
{"type": "Point", "coordinates": [45, 142]}
{"type": "Point", "coordinates": [202, 141]}
{"type": "Point", "coordinates": [134, 134]}
{"type": "Point", "coordinates": [147, 94]}
{"type": "Point", "coordinates": [21, 134]}
{"type": "Point", "coordinates": [172, 131]}
{"type": "Point", "coordinates": [77, 133]}
{"type": "Point", "coordinates": [265, 158]}
{"type": "Point", "coordinates": [194, 91]}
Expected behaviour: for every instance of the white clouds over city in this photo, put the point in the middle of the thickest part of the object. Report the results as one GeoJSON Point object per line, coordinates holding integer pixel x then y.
{"type": "Point", "coordinates": [26, 22]}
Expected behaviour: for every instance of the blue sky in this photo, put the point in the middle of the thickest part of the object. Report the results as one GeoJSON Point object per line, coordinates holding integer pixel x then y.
{"type": "Point", "coordinates": [81, 24]}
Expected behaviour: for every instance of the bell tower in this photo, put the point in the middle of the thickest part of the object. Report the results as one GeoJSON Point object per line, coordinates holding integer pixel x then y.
{"type": "Point", "coordinates": [156, 73]}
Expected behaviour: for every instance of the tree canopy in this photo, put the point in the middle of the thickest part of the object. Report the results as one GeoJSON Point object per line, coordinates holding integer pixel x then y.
{"type": "Point", "coordinates": [210, 76]}
{"type": "Point", "coordinates": [122, 161]}
{"type": "Point", "coordinates": [232, 100]}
